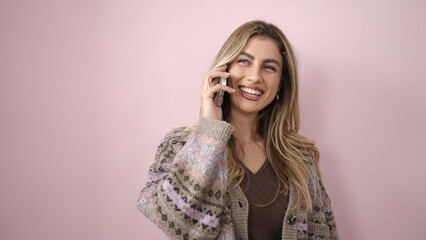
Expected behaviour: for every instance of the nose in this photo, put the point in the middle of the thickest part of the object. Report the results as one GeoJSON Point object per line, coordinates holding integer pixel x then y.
{"type": "Point", "coordinates": [254, 74]}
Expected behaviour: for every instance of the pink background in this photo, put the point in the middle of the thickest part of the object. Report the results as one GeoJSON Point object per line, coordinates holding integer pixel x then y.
{"type": "Point", "coordinates": [88, 89]}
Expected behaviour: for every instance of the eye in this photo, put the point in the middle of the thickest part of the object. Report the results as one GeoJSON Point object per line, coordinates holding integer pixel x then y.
{"type": "Point", "coordinates": [271, 68]}
{"type": "Point", "coordinates": [245, 61]}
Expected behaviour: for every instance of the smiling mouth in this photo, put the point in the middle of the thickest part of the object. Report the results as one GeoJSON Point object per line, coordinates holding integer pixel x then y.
{"type": "Point", "coordinates": [251, 91]}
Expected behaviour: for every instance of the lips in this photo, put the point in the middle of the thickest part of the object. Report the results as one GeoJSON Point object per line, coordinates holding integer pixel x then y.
{"type": "Point", "coordinates": [251, 93]}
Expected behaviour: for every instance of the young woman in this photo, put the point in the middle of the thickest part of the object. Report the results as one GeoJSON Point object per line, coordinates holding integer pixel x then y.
{"type": "Point", "coordinates": [243, 172]}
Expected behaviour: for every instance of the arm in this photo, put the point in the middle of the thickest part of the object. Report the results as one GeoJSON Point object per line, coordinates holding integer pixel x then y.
{"type": "Point", "coordinates": [321, 201]}
{"type": "Point", "coordinates": [186, 189]}
{"type": "Point", "coordinates": [328, 212]}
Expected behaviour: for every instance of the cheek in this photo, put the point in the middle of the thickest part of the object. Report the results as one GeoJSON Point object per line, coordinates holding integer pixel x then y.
{"type": "Point", "coordinates": [275, 84]}
{"type": "Point", "coordinates": [234, 77]}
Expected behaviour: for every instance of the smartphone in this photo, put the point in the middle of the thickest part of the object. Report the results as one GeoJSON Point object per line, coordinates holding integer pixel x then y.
{"type": "Point", "coordinates": [219, 95]}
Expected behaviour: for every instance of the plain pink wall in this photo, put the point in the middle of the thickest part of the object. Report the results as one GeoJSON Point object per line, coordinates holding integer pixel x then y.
{"type": "Point", "coordinates": [88, 89]}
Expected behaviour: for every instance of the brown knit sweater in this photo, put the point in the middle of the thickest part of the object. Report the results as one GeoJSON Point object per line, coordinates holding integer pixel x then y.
{"type": "Point", "coordinates": [188, 197]}
{"type": "Point", "coordinates": [260, 189]}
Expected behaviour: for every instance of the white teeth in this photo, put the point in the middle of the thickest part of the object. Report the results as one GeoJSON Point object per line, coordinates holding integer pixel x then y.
{"type": "Point", "coordinates": [251, 91]}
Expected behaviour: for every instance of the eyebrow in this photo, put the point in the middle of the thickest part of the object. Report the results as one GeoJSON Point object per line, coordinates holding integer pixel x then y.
{"type": "Point", "coordinates": [268, 60]}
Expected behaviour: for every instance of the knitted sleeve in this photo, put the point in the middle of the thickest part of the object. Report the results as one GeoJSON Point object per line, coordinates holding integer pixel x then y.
{"type": "Point", "coordinates": [186, 190]}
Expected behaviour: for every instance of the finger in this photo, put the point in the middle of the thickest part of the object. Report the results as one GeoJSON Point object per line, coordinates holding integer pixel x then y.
{"type": "Point", "coordinates": [217, 69]}
{"type": "Point", "coordinates": [213, 82]}
{"type": "Point", "coordinates": [220, 68]}
{"type": "Point", "coordinates": [210, 76]}
{"type": "Point", "coordinates": [224, 66]}
{"type": "Point", "coordinates": [210, 93]}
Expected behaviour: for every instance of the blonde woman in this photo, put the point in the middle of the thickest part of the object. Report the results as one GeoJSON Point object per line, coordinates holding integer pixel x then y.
{"type": "Point", "coordinates": [243, 172]}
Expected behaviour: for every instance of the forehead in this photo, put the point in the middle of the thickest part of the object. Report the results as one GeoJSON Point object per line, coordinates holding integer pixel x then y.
{"type": "Point", "coordinates": [263, 47]}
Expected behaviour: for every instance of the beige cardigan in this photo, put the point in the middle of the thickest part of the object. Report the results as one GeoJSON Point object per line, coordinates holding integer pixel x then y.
{"type": "Point", "coordinates": [187, 195]}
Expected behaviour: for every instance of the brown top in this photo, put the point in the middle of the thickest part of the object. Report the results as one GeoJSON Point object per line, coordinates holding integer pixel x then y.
{"type": "Point", "coordinates": [264, 223]}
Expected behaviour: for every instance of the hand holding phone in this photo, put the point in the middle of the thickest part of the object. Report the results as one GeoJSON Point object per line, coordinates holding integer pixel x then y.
{"type": "Point", "coordinates": [211, 95]}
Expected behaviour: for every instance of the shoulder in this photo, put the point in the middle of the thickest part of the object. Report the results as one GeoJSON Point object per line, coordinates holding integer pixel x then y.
{"type": "Point", "coordinates": [313, 171]}
{"type": "Point", "coordinates": [308, 159]}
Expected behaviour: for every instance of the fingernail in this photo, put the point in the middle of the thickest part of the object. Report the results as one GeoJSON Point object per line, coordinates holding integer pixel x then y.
{"type": "Point", "coordinates": [233, 90]}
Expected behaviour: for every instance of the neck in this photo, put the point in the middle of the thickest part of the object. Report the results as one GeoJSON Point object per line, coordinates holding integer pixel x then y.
{"type": "Point", "coordinates": [245, 127]}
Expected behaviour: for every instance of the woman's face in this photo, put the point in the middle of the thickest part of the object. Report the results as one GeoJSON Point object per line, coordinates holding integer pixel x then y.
{"type": "Point", "coordinates": [255, 75]}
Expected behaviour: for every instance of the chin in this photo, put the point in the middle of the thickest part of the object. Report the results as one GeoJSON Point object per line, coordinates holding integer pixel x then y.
{"type": "Point", "coordinates": [247, 108]}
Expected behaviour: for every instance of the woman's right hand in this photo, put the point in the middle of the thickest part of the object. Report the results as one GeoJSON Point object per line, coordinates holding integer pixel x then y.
{"type": "Point", "coordinates": [208, 108]}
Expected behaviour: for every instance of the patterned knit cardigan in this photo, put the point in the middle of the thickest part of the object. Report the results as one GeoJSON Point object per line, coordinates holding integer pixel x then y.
{"type": "Point", "coordinates": [187, 195]}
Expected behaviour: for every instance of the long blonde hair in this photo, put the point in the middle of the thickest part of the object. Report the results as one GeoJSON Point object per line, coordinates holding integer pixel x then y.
{"type": "Point", "coordinates": [278, 123]}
